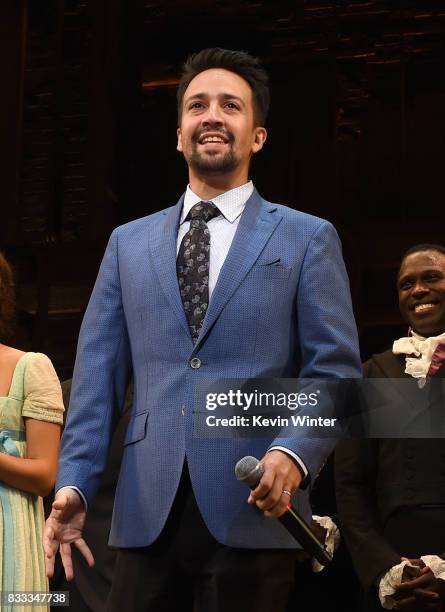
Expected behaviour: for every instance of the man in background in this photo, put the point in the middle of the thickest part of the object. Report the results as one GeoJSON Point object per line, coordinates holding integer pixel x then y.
{"type": "Point", "coordinates": [391, 492]}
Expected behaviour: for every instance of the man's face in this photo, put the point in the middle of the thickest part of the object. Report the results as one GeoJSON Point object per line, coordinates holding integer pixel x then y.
{"type": "Point", "coordinates": [421, 287]}
{"type": "Point", "coordinates": [217, 134]}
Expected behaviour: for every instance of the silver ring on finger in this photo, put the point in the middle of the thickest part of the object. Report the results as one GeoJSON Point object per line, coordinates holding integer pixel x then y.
{"type": "Point", "coordinates": [286, 492]}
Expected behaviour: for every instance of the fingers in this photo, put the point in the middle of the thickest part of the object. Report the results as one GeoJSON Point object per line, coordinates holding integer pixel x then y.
{"type": "Point", "coordinates": [419, 599]}
{"type": "Point", "coordinates": [268, 495]}
{"type": "Point", "coordinates": [416, 562]}
{"type": "Point", "coordinates": [63, 527]}
{"type": "Point", "coordinates": [85, 550]}
{"type": "Point", "coordinates": [50, 555]}
{"type": "Point", "coordinates": [65, 553]}
{"type": "Point", "coordinates": [424, 581]}
{"type": "Point", "coordinates": [50, 539]}
{"type": "Point", "coordinates": [280, 474]}
{"type": "Point", "coordinates": [60, 503]}
{"type": "Point", "coordinates": [413, 604]}
{"type": "Point", "coordinates": [264, 487]}
{"type": "Point", "coordinates": [426, 596]}
{"type": "Point", "coordinates": [50, 547]}
{"type": "Point", "coordinates": [67, 503]}
{"type": "Point", "coordinates": [409, 603]}
{"type": "Point", "coordinates": [282, 505]}
{"type": "Point", "coordinates": [49, 565]}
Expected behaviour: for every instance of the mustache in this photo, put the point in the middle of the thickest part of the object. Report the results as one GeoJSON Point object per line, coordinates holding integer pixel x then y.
{"type": "Point", "coordinates": [197, 135]}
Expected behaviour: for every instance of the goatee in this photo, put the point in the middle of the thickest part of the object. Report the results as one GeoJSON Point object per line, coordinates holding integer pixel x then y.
{"type": "Point", "coordinates": [218, 164]}
{"type": "Point", "coordinates": [212, 164]}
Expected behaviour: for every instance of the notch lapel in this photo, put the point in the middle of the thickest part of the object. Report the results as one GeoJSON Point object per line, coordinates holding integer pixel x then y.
{"type": "Point", "coordinates": [401, 395]}
{"type": "Point", "coordinates": [162, 243]}
{"type": "Point", "coordinates": [258, 221]}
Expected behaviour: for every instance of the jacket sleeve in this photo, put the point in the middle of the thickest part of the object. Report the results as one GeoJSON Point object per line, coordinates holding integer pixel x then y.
{"type": "Point", "coordinates": [355, 483]}
{"type": "Point", "coordinates": [99, 381]}
{"type": "Point", "coordinates": [327, 333]}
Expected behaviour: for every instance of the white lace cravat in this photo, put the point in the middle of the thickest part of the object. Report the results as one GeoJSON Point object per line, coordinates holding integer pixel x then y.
{"type": "Point", "coordinates": [423, 350]}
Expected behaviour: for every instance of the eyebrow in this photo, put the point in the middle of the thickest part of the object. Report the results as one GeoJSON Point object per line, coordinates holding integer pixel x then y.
{"type": "Point", "coordinates": [224, 96]}
{"type": "Point", "coordinates": [426, 271]}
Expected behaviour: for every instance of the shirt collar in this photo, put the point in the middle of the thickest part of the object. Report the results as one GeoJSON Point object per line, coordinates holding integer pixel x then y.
{"type": "Point", "coordinates": [231, 203]}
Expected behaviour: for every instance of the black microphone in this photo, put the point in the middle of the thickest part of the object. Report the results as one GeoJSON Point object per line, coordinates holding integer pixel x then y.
{"type": "Point", "coordinates": [250, 471]}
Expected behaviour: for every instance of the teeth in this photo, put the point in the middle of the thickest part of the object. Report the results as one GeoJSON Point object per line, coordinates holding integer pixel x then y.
{"type": "Point", "coordinates": [212, 139]}
{"type": "Point", "coordinates": [423, 307]}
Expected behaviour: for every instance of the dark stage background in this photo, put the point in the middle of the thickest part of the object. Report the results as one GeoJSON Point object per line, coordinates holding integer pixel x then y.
{"type": "Point", "coordinates": [88, 123]}
{"type": "Point", "coordinates": [88, 118]}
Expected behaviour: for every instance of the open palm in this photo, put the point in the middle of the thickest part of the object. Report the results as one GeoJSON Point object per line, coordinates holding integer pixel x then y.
{"type": "Point", "coordinates": [64, 527]}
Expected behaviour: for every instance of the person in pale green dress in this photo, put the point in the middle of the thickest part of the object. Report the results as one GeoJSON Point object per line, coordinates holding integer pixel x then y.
{"type": "Point", "coordinates": [31, 415]}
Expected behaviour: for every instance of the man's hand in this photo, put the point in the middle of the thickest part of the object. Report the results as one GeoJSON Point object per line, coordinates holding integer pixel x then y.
{"type": "Point", "coordinates": [280, 474]}
{"type": "Point", "coordinates": [63, 528]}
{"type": "Point", "coordinates": [421, 594]}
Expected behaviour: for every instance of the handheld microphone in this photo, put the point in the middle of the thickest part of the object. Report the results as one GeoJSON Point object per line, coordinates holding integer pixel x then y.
{"type": "Point", "coordinates": [250, 471]}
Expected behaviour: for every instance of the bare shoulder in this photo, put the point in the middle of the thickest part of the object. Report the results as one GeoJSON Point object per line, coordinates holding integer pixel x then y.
{"type": "Point", "coordinates": [9, 356]}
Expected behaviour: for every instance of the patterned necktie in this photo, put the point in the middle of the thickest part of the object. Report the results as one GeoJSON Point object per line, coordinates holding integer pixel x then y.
{"type": "Point", "coordinates": [192, 265]}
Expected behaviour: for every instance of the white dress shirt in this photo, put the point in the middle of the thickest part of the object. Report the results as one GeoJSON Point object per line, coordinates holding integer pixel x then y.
{"type": "Point", "coordinates": [222, 228]}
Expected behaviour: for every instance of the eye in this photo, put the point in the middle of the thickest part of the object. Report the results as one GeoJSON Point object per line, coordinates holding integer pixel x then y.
{"type": "Point", "coordinates": [232, 105]}
{"type": "Point", "coordinates": [404, 285]}
{"type": "Point", "coordinates": [196, 105]}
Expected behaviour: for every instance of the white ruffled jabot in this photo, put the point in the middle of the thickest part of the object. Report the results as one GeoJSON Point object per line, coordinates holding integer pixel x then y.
{"type": "Point", "coordinates": [423, 350]}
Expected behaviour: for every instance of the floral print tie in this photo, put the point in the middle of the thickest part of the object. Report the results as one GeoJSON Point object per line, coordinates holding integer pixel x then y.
{"type": "Point", "coordinates": [193, 263]}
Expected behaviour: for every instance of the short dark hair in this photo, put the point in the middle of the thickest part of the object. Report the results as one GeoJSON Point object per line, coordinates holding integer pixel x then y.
{"type": "Point", "coordinates": [239, 62]}
{"type": "Point", "coordinates": [421, 248]}
{"type": "Point", "coordinates": [7, 295]}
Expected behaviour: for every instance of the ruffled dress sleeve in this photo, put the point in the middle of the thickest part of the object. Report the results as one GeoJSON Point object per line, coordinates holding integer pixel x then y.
{"type": "Point", "coordinates": [42, 393]}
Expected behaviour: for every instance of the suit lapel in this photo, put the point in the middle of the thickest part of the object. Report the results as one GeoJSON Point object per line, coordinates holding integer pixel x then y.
{"type": "Point", "coordinates": [256, 225]}
{"type": "Point", "coordinates": [416, 401]}
{"type": "Point", "coordinates": [162, 242]}
{"type": "Point", "coordinates": [441, 371]}
{"type": "Point", "coordinates": [393, 366]}
{"type": "Point", "coordinates": [258, 221]}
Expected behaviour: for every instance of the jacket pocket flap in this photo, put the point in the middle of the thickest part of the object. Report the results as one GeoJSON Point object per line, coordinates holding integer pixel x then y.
{"type": "Point", "coordinates": [137, 428]}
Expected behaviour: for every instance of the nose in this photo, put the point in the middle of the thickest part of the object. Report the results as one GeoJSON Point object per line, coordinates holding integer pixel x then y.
{"type": "Point", "coordinates": [419, 289]}
{"type": "Point", "coordinates": [213, 116]}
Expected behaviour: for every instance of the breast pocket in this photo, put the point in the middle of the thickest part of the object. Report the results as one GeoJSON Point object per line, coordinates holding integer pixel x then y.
{"type": "Point", "coordinates": [273, 268]}
{"type": "Point", "coordinates": [137, 428]}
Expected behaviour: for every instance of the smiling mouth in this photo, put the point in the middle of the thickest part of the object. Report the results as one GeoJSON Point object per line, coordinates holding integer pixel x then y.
{"type": "Point", "coordinates": [423, 307]}
{"type": "Point", "coordinates": [212, 140]}
{"type": "Point", "coordinates": [212, 137]}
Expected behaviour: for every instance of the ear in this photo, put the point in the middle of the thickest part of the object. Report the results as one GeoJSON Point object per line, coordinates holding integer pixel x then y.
{"type": "Point", "coordinates": [179, 144]}
{"type": "Point", "coordinates": [260, 135]}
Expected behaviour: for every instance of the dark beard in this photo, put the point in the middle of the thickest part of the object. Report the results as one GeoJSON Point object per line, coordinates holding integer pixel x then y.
{"type": "Point", "coordinates": [208, 166]}
{"type": "Point", "coordinates": [212, 165]}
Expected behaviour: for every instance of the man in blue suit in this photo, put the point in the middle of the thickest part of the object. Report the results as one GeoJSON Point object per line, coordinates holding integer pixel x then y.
{"type": "Point", "coordinates": [222, 285]}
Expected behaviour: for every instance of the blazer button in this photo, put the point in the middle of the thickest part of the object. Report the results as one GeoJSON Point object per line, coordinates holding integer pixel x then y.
{"type": "Point", "coordinates": [195, 363]}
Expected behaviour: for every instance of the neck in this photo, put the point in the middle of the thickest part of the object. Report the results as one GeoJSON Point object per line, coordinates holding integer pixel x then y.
{"type": "Point", "coordinates": [208, 187]}
{"type": "Point", "coordinates": [426, 336]}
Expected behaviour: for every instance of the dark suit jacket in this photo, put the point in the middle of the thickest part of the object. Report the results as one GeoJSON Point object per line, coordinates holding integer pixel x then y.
{"type": "Point", "coordinates": [377, 478]}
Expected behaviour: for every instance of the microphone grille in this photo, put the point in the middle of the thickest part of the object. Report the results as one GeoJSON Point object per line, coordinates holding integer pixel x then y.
{"type": "Point", "coordinates": [249, 470]}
